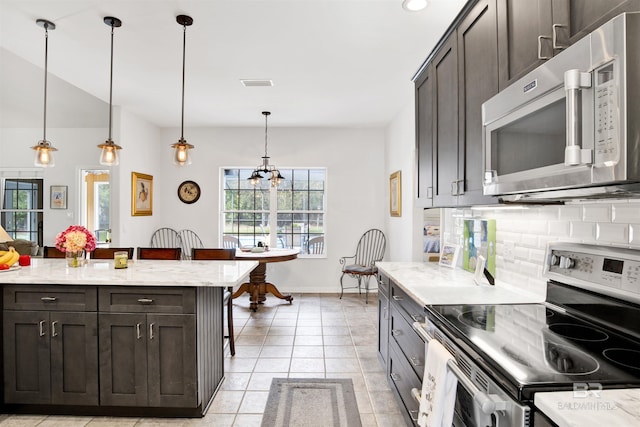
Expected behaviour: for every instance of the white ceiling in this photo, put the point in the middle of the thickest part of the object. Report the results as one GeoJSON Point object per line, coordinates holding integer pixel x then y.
{"type": "Point", "coordinates": [339, 63]}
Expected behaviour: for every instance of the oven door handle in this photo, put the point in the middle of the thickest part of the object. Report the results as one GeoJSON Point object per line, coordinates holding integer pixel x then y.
{"type": "Point", "coordinates": [489, 403]}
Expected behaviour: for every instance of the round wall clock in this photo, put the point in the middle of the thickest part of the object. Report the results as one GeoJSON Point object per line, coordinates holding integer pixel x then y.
{"type": "Point", "coordinates": [189, 192]}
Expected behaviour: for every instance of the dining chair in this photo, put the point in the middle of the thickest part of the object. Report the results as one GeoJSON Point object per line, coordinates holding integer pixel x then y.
{"type": "Point", "coordinates": [165, 238]}
{"type": "Point", "coordinates": [52, 252]}
{"type": "Point", "coordinates": [230, 242]}
{"type": "Point", "coordinates": [160, 253]}
{"type": "Point", "coordinates": [107, 253]}
{"type": "Point", "coordinates": [198, 254]}
{"type": "Point", "coordinates": [370, 249]}
{"type": "Point", "coordinates": [189, 240]}
{"type": "Point", "coordinates": [316, 245]}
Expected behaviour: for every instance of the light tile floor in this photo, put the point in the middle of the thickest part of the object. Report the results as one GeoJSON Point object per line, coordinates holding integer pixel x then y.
{"type": "Point", "coordinates": [318, 336]}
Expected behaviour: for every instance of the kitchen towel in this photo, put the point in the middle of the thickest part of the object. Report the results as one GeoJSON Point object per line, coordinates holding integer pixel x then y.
{"type": "Point", "coordinates": [438, 388]}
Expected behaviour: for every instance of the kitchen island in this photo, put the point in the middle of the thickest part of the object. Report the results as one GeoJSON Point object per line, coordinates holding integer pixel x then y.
{"type": "Point", "coordinates": [145, 341]}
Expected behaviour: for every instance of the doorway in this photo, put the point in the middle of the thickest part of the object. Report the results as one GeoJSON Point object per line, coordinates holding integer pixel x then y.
{"type": "Point", "coordinates": [96, 204]}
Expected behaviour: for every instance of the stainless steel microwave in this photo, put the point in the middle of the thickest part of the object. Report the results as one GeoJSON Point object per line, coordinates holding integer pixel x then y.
{"type": "Point", "coordinates": [571, 127]}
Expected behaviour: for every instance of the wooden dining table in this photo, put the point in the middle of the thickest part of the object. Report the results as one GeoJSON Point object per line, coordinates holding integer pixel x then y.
{"type": "Point", "coordinates": [257, 287]}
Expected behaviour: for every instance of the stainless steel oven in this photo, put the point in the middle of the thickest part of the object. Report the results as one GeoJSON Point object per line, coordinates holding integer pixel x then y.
{"type": "Point", "coordinates": [586, 332]}
{"type": "Point", "coordinates": [572, 123]}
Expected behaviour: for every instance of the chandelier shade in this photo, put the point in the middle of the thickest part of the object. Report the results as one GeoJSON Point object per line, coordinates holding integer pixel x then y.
{"type": "Point", "coordinates": [109, 154]}
{"type": "Point", "coordinates": [44, 150]}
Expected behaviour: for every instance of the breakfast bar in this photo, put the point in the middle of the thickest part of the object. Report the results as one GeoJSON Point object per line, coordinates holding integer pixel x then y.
{"type": "Point", "coordinates": [95, 340]}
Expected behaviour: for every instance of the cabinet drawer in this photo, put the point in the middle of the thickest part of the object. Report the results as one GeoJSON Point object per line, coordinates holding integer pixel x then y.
{"type": "Point", "coordinates": [411, 310]}
{"type": "Point", "coordinates": [383, 284]}
{"type": "Point", "coordinates": [409, 343]}
{"type": "Point", "coordinates": [147, 300]}
{"type": "Point", "coordinates": [50, 298]}
{"type": "Point", "coordinates": [404, 380]}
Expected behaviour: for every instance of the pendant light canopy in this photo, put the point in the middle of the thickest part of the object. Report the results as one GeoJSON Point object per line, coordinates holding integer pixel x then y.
{"type": "Point", "coordinates": [275, 176]}
{"type": "Point", "coordinates": [109, 154]}
{"type": "Point", "coordinates": [44, 149]}
{"type": "Point", "coordinates": [181, 155]}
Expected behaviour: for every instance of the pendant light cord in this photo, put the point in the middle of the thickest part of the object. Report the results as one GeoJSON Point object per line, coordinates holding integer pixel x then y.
{"type": "Point", "coordinates": [184, 48]}
{"type": "Point", "coordinates": [265, 135]}
{"type": "Point", "coordinates": [111, 83]}
{"type": "Point", "coordinates": [46, 61]}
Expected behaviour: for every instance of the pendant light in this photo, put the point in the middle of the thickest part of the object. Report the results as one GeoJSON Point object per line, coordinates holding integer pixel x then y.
{"type": "Point", "coordinates": [275, 178]}
{"type": "Point", "coordinates": [44, 149]}
{"type": "Point", "coordinates": [181, 156]}
{"type": "Point", "coordinates": [109, 154]}
{"type": "Point", "coordinates": [414, 5]}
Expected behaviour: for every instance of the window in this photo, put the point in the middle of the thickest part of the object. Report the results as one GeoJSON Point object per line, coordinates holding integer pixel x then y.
{"type": "Point", "coordinates": [22, 208]}
{"type": "Point", "coordinates": [96, 203]}
{"type": "Point", "coordinates": [296, 210]}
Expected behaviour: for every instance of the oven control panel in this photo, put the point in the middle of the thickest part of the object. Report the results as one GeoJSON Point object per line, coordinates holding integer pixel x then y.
{"type": "Point", "coordinates": [602, 267]}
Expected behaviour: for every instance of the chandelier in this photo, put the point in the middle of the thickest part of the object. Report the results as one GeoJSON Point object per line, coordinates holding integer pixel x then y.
{"type": "Point", "coordinates": [275, 176]}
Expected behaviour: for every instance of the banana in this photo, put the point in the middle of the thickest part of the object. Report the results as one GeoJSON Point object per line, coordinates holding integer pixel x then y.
{"type": "Point", "coordinates": [4, 259]}
{"type": "Point", "coordinates": [10, 258]}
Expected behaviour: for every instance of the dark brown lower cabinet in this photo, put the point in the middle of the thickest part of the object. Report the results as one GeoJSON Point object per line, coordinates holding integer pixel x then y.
{"type": "Point", "coordinates": [129, 350]}
{"type": "Point", "coordinates": [148, 360]}
{"type": "Point", "coordinates": [50, 358]}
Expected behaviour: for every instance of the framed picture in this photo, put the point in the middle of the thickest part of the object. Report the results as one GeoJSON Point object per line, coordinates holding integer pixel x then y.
{"type": "Point", "coordinates": [449, 255]}
{"type": "Point", "coordinates": [58, 197]}
{"type": "Point", "coordinates": [141, 194]}
{"type": "Point", "coordinates": [395, 194]}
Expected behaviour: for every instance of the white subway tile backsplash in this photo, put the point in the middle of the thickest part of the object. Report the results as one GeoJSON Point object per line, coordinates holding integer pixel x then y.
{"type": "Point", "coordinates": [559, 228]}
{"type": "Point", "coordinates": [571, 213]}
{"type": "Point", "coordinates": [626, 213]}
{"type": "Point", "coordinates": [634, 235]}
{"type": "Point", "coordinates": [522, 252]}
{"type": "Point", "coordinates": [596, 212]}
{"type": "Point", "coordinates": [612, 233]}
{"type": "Point", "coordinates": [537, 256]}
{"type": "Point", "coordinates": [583, 231]}
{"type": "Point", "coordinates": [529, 240]}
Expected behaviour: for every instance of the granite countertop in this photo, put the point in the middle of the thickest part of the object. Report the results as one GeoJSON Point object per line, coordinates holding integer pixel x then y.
{"type": "Point", "coordinates": [138, 273]}
{"type": "Point", "coordinates": [591, 408]}
{"type": "Point", "coordinates": [432, 284]}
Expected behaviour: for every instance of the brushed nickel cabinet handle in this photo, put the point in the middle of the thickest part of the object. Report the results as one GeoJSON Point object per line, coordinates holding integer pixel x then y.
{"type": "Point", "coordinates": [556, 43]}
{"type": "Point", "coordinates": [138, 331]}
{"type": "Point", "coordinates": [414, 415]}
{"type": "Point", "coordinates": [145, 300]}
{"type": "Point", "coordinates": [397, 298]}
{"type": "Point", "coordinates": [415, 361]}
{"type": "Point", "coordinates": [54, 333]}
{"type": "Point", "coordinates": [151, 331]}
{"type": "Point", "coordinates": [416, 317]}
{"type": "Point", "coordinates": [396, 332]}
{"type": "Point", "coordinates": [48, 299]}
{"type": "Point", "coordinates": [41, 324]}
{"type": "Point", "coordinates": [394, 376]}
{"type": "Point", "coordinates": [540, 38]}
{"type": "Point", "coordinates": [429, 192]}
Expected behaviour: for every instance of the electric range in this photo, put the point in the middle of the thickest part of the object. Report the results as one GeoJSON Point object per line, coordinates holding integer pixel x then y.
{"type": "Point", "coordinates": [585, 336]}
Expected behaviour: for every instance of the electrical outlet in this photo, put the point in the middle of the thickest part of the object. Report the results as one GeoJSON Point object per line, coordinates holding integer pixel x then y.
{"type": "Point", "coordinates": [509, 251]}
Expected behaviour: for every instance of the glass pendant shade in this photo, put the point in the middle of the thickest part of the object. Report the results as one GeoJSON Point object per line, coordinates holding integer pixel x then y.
{"type": "Point", "coordinates": [109, 154]}
{"type": "Point", "coordinates": [181, 156]}
{"type": "Point", "coordinates": [44, 154]}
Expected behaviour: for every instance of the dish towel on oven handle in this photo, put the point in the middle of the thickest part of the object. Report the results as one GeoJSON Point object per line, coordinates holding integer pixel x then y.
{"type": "Point", "coordinates": [439, 385]}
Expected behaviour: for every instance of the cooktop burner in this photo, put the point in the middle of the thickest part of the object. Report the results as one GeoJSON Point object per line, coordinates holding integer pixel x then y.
{"type": "Point", "coordinates": [578, 332]}
{"type": "Point", "coordinates": [480, 318]}
{"type": "Point", "coordinates": [624, 357]}
{"type": "Point", "coordinates": [568, 360]}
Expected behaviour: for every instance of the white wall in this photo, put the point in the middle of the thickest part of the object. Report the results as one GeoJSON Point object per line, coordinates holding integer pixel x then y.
{"type": "Point", "coordinates": [76, 149]}
{"type": "Point", "coordinates": [356, 183]}
{"type": "Point", "coordinates": [404, 236]}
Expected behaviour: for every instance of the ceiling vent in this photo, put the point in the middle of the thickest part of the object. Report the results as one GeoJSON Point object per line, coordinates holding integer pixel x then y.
{"type": "Point", "coordinates": [256, 82]}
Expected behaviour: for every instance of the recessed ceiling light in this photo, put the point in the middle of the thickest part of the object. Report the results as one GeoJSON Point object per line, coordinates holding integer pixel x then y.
{"type": "Point", "coordinates": [256, 82]}
{"type": "Point", "coordinates": [414, 5]}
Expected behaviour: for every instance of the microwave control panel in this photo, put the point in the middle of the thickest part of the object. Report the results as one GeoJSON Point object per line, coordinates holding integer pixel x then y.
{"type": "Point", "coordinates": [606, 123]}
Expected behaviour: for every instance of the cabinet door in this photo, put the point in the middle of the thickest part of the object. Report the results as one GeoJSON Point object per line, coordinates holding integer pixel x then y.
{"type": "Point", "coordinates": [424, 137]}
{"type": "Point", "coordinates": [27, 369]}
{"type": "Point", "coordinates": [74, 358]}
{"type": "Point", "coordinates": [445, 75]}
{"type": "Point", "coordinates": [123, 359]}
{"type": "Point", "coordinates": [587, 15]}
{"type": "Point", "coordinates": [478, 81]}
{"type": "Point", "coordinates": [524, 37]}
{"type": "Point", "coordinates": [171, 353]}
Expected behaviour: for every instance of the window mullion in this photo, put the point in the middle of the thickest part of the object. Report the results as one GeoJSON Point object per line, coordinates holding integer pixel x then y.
{"type": "Point", "coordinates": [273, 217]}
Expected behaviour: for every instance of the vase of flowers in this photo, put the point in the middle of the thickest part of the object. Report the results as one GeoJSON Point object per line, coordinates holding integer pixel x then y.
{"type": "Point", "coordinates": [75, 241]}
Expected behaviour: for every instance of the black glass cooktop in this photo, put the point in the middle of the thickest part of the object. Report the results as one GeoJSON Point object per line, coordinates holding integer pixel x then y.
{"type": "Point", "coordinates": [536, 347]}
